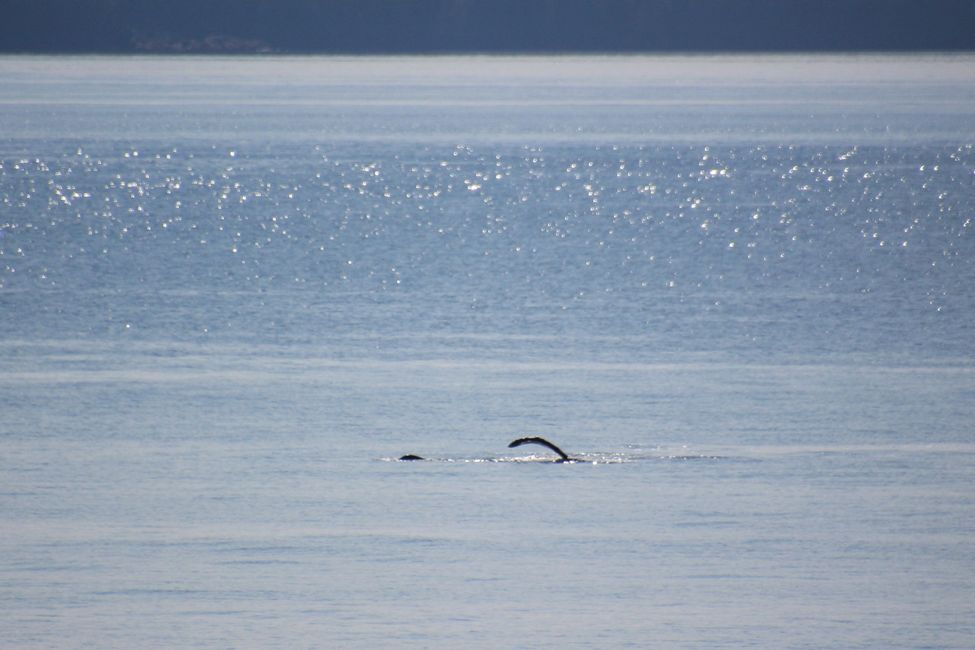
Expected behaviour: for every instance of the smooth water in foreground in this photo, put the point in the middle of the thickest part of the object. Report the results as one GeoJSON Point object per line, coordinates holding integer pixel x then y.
{"type": "Point", "coordinates": [234, 291]}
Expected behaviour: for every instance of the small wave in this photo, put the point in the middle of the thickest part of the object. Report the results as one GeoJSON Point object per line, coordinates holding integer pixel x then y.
{"type": "Point", "coordinates": [581, 459]}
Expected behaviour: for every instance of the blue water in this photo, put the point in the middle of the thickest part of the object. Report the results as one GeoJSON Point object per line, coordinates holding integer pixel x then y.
{"type": "Point", "coordinates": [235, 290]}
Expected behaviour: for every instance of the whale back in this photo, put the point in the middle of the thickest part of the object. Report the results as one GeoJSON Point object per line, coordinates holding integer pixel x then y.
{"type": "Point", "coordinates": [535, 440]}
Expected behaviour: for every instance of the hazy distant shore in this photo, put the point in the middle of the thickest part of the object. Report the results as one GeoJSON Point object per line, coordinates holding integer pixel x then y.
{"type": "Point", "coordinates": [458, 26]}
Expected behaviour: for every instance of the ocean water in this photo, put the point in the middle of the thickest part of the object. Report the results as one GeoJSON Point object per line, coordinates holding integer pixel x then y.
{"type": "Point", "coordinates": [233, 291]}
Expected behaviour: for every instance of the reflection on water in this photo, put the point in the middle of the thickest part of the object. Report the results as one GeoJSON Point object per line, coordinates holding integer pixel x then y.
{"type": "Point", "coordinates": [738, 288]}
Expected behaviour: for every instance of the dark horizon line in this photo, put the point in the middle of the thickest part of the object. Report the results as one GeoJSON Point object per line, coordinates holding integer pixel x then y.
{"type": "Point", "coordinates": [428, 27]}
{"type": "Point", "coordinates": [532, 52]}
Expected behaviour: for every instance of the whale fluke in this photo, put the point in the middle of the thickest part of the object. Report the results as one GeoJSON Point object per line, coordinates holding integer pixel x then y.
{"type": "Point", "coordinates": [563, 457]}
{"type": "Point", "coordinates": [411, 457]}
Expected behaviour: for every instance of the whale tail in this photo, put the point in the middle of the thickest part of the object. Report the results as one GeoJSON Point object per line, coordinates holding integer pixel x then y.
{"type": "Point", "coordinates": [563, 457]}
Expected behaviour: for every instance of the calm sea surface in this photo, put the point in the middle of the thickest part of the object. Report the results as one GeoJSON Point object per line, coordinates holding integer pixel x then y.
{"type": "Point", "coordinates": [234, 290]}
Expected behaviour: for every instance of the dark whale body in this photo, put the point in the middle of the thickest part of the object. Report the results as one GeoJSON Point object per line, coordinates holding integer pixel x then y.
{"type": "Point", "coordinates": [563, 457]}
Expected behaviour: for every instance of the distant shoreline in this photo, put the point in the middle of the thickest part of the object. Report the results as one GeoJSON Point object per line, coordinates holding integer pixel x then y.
{"type": "Point", "coordinates": [451, 27]}
{"type": "Point", "coordinates": [496, 53]}
{"type": "Point", "coordinates": [675, 54]}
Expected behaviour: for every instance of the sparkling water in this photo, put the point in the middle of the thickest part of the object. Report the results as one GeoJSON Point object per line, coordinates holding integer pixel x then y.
{"type": "Point", "coordinates": [235, 290]}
